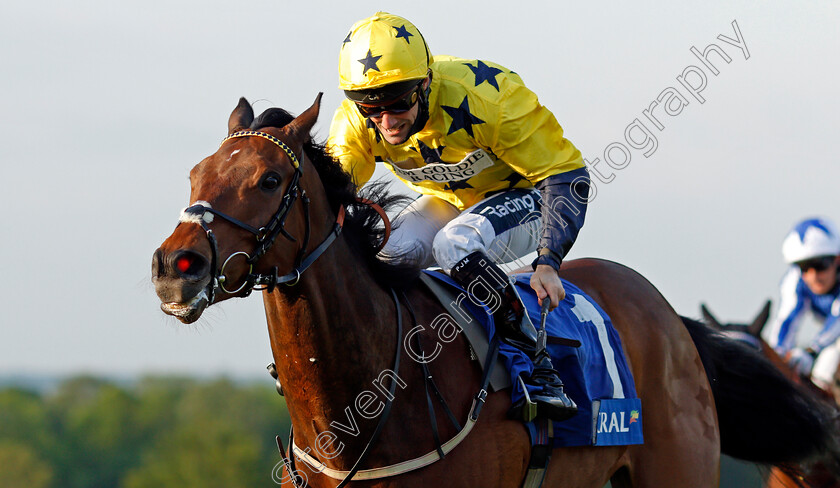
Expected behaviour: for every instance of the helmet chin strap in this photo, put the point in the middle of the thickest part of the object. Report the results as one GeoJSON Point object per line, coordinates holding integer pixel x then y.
{"type": "Point", "coordinates": [422, 110]}
{"type": "Point", "coordinates": [422, 118]}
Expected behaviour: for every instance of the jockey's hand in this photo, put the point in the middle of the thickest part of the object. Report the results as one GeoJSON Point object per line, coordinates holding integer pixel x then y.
{"type": "Point", "coordinates": [546, 282]}
{"type": "Point", "coordinates": [801, 361]}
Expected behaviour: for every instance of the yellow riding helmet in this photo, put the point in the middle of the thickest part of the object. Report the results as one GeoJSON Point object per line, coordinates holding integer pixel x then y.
{"type": "Point", "coordinates": [381, 50]}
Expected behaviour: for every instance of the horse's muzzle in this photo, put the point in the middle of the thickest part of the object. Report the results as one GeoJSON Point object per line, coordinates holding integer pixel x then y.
{"type": "Point", "coordinates": [181, 280]}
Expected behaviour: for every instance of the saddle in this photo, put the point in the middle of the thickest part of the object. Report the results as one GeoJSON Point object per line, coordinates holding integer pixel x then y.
{"type": "Point", "coordinates": [472, 330]}
{"type": "Point", "coordinates": [585, 349]}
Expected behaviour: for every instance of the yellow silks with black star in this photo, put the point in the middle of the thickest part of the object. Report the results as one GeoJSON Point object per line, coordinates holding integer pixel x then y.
{"type": "Point", "coordinates": [473, 105]}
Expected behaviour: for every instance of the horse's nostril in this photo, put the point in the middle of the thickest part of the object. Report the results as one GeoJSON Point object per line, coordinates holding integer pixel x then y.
{"type": "Point", "coordinates": [157, 264]}
{"type": "Point", "coordinates": [189, 263]}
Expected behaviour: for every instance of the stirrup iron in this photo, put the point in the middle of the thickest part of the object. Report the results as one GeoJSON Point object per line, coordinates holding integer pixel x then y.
{"type": "Point", "coordinates": [529, 408]}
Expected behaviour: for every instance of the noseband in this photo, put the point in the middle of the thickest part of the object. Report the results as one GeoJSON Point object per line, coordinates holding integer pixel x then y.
{"type": "Point", "coordinates": [202, 213]}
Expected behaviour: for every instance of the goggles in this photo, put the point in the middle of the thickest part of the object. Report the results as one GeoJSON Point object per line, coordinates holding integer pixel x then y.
{"type": "Point", "coordinates": [821, 263]}
{"type": "Point", "coordinates": [401, 105]}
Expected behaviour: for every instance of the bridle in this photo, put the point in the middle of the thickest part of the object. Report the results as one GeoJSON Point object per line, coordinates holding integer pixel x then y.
{"type": "Point", "coordinates": [202, 213]}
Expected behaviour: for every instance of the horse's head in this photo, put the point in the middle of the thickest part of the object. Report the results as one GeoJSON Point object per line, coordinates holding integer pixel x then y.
{"type": "Point", "coordinates": [246, 198]}
{"type": "Point", "coordinates": [749, 333]}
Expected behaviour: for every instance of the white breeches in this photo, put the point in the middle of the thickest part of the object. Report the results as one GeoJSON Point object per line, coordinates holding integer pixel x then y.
{"type": "Point", "coordinates": [826, 365]}
{"type": "Point", "coordinates": [431, 231]}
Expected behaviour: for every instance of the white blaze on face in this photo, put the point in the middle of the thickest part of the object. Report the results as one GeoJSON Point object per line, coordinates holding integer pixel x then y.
{"type": "Point", "coordinates": [195, 218]}
{"type": "Point", "coordinates": [232, 154]}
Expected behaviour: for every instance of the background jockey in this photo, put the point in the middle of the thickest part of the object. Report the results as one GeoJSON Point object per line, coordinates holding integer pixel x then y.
{"type": "Point", "coordinates": [496, 176]}
{"type": "Point", "coordinates": [811, 283]}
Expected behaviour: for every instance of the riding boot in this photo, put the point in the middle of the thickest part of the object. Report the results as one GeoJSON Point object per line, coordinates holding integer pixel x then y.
{"type": "Point", "coordinates": [479, 273]}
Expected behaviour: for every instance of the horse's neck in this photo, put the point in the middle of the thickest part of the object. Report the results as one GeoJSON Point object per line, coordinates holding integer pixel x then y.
{"type": "Point", "coordinates": [332, 337]}
{"type": "Point", "coordinates": [335, 343]}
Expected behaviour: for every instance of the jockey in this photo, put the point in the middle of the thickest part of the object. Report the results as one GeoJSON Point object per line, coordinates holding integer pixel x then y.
{"type": "Point", "coordinates": [812, 249]}
{"type": "Point", "coordinates": [496, 176]}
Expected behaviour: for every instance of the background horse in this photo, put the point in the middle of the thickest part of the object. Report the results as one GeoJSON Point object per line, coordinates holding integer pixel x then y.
{"type": "Point", "coordinates": [751, 334]}
{"type": "Point", "coordinates": [817, 475]}
{"type": "Point", "coordinates": [268, 209]}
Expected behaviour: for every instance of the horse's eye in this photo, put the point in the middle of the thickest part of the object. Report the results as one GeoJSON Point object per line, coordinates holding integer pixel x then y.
{"type": "Point", "coordinates": [270, 182]}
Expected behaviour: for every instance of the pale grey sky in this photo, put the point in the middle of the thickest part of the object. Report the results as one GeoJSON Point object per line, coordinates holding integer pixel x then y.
{"type": "Point", "coordinates": [107, 105]}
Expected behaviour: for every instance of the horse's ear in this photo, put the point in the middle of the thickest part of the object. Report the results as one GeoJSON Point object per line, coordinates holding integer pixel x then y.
{"type": "Point", "coordinates": [760, 321]}
{"type": "Point", "coordinates": [302, 125]}
{"type": "Point", "coordinates": [241, 117]}
{"type": "Point", "coordinates": [709, 318]}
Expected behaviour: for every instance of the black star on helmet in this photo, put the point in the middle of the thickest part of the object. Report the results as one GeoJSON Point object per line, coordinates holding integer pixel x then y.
{"type": "Point", "coordinates": [370, 62]}
{"type": "Point", "coordinates": [402, 32]}
{"type": "Point", "coordinates": [461, 117]}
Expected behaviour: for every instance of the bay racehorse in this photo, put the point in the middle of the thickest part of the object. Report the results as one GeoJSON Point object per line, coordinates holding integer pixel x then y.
{"type": "Point", "coordinates": [271, 209]}
{"type": "Point", "coordinates": [815, 474]}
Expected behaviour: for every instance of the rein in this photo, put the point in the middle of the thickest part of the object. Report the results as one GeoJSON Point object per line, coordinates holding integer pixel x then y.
{"type": "Point", "coordinates": [382, 215]}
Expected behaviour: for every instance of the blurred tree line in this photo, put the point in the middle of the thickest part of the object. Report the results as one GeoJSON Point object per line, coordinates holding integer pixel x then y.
{"type": "Point", "coordinates": [159, 432]}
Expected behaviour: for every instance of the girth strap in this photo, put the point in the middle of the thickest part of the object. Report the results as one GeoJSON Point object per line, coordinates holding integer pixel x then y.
{"type": "Point", "coordinates": [541, 432]}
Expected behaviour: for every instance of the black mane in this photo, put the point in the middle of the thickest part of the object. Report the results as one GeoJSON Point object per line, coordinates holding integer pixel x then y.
{"type": "Point", "coordinates": [362, 224]}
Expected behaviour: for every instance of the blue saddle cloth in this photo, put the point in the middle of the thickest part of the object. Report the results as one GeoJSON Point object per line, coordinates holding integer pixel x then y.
{"type": "Point", "coordinates": [595, 375]}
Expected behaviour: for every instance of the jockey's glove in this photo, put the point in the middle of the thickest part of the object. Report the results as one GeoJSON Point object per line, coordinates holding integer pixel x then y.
{"type": "Point", "coordinates": [802, 361]}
